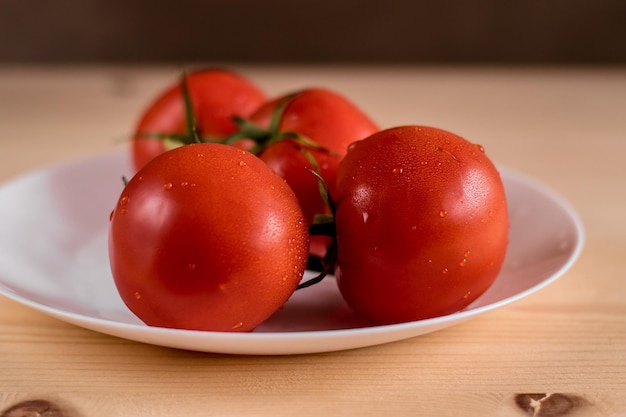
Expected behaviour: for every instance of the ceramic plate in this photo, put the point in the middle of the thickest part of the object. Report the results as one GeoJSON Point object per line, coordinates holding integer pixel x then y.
{"type": "Point", "coordinates": [53, 258]}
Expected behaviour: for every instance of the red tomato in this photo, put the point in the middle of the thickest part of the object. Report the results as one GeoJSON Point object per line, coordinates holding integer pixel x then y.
{"type": "Point", "coordinates": [207, 237]}
{"type": "Point", "coordinates": [422, 224]}
{"type": "Point", "coordinates": [328, 119]}
{"type": "Point", "coordinates": [217, 95]}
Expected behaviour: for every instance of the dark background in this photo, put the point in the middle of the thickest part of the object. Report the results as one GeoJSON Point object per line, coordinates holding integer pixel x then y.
{"type": "Point", "coordinates": [533, 32]}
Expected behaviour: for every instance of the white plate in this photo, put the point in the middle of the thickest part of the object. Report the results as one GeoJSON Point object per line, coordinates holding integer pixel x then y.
{"type": "Point", "coordinates": [53, 258]}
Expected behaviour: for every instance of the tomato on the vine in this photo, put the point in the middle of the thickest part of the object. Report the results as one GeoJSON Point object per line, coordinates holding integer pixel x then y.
{"type": "Point", "coordinates": [207, 237]}
{"type": "Point", "coordinates": [216, 96]}
{"type": "Point", "coordinates": [324, 117]}
{"type": "Point", "coordinates": [421, 224]}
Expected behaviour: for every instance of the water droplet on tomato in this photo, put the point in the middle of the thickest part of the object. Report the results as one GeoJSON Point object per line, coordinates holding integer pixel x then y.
{"type": "Point", "coordinates": [397, 170]}
{"type": "Point", "coordinates": [467, 294]}
{"type": "Point", "coordinates": [191, 266]}
{"type": "Point", "coordinates": [443, 213]}
{"type": "Point", "coordinates": [242, 163]}
{"type": "Point", "coordinates": [167, 186]}
{"type": "Point", "coordinates": [238, 325]}
{"type": "Point", "coordinates": [124, 200]}
{"type": "Point", "coordinates": [480, 148]}
{"type": "Point", "coordinates": [123, 211]}
{"type": "Point", "coordinates": [462, 262]}
{"type": "Point", "coordinates": [138, 295]}
{"type": "Point", "coordinates": [444, 271]}
{"type": "Point", "coordinates": [365, 217]}
{"type": "Point", "coordinates": [376, 251]}
{"type": "Point", "coordinates": [466, 254]}
{"type": "Point", "coordinates": [184, 184]}
{"type": "Point", "coordinates": [413, 228]}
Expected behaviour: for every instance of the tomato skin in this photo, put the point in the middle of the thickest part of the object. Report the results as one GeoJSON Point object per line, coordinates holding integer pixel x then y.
{"type": "Point", "coordinates": [422, 224]}
{"type": "Point", "coordinates": [207, 237]}
{"type": "Point", "coordinates": [217, 94]}
{"type": "Point", "coordinates": [330, 120]}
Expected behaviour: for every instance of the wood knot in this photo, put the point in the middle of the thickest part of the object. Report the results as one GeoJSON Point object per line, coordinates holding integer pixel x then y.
{"type": "Point", "coordinates": [35, 408]}
{"type": "Point", "coordinates": [549, 405]}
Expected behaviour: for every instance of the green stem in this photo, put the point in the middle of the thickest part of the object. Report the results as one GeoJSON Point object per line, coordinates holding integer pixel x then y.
{"type": "Point", "coordinates": [327, 265]}
{"type": "Point", "coordinates": [323, 185]}
{"type": "Point", "coordinates": [247, 130]}
{"type": "Point", "coordinates": [324, 225]}
{"type": "Point", "coordinates": [176, 137]}
{"type": "Point", "coordinates": [190, 117]}
{"type": "Point", "coordinates": [277, 115]}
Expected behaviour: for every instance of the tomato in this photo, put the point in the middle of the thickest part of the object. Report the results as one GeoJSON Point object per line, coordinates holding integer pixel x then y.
{"type": "Point", "coordinates": [207, 237]}
{"type": "Point", "coordinates": [326, 118]}
{"type": "Point", "coordinates": [217, 95]}
{"type": "Point", "coordinates": [422, 224]}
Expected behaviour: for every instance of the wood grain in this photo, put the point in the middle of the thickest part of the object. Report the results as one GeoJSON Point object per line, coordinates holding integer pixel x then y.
{"type": "Point", "coordinates": [560, 352]}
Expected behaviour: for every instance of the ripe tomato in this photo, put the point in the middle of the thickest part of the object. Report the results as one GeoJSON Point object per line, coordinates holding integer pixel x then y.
{"type": "Point", "coordinates": [422, 224]}
{"type": "Point", "coordinates": [332, 122]}
{"type": "Point", "coordinates": [217, 95]}
{"type": "Point", "coordinates": [207, 237]}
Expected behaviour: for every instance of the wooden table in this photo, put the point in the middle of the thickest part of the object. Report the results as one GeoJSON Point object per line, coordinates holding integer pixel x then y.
{"type": "Point", "coordinates": [565, 127]}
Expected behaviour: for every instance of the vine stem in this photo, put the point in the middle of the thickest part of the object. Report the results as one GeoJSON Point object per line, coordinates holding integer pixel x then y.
{"type": "Point", "coordinates": [323, 226]}
{"type": "Point", "coordinates": [328, 265]}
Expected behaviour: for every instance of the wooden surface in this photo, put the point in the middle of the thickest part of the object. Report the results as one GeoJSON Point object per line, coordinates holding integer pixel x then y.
{"type": "Point", "coordinates": [562, 349]}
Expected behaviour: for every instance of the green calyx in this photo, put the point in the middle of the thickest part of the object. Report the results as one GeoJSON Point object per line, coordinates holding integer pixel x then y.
{"type": "Point", "coordinates": [246, 129]}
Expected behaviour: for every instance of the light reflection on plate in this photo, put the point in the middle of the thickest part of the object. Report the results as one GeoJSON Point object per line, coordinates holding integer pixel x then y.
{"type": "Point", "coordinates": [53, 258]}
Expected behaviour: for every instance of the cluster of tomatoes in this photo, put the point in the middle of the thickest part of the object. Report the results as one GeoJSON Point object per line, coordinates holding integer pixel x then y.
{"type": "Point", "coordinates": [236, 195]}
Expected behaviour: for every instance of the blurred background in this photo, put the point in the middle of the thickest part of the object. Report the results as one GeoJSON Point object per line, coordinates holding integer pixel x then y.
{"type": "Point", "coordinates": [501, 32]}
